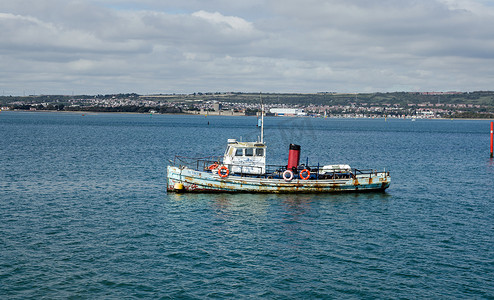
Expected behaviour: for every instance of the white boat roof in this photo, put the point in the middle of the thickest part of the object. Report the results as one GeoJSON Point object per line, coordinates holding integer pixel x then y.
{"type": "Point", "coordinates": [232, 142]}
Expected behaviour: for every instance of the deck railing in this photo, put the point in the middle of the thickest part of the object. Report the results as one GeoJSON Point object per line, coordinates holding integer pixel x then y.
{"type": "Point", "coordinates": [270, 171]}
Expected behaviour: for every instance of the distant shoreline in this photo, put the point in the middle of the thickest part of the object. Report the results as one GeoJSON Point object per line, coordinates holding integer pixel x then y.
{"type": "Point", "coordinates": [226, 115]}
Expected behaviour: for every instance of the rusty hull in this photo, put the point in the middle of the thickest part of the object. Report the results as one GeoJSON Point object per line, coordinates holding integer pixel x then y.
{"type": "Point", "coordinates": [197, 181]}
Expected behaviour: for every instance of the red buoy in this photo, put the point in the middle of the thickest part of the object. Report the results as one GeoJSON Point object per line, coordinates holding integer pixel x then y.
{"type": "Point", "coordinates": [492, 139]}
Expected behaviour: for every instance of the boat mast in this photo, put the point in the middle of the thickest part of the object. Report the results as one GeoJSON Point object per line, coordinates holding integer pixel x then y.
{"type": "Point", "coordinates": [262, 119]}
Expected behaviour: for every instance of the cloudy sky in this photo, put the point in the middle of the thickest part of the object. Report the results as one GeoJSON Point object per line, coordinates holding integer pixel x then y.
{"type": "Point", "coordinates": [170, 46]}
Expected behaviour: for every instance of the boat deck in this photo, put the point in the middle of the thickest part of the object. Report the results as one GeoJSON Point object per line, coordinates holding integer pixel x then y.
{"type": "Point", "coordinates": [202, 175]}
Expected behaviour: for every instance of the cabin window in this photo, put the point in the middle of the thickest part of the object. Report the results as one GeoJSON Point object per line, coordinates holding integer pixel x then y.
{"type": "Point", "coordinates": [259, 152]}
{"type": "Point", "coordinates": [239, 152]}
{"type": "Point", "coordinates": [249, 151]}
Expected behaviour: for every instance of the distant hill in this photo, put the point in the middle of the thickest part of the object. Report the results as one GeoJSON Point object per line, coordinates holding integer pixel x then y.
{"type": "Point", "coordinates": [432, 104]}
{"type": "Point", "coordinates": [485, 98]}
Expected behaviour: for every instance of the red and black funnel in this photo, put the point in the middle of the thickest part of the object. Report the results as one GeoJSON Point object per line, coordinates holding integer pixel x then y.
{"type": "Point", "coordinates": [293, 156]}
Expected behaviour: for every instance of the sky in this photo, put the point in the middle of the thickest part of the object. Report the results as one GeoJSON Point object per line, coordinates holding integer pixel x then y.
{"type": "Point", "coordinates": [92, 47]}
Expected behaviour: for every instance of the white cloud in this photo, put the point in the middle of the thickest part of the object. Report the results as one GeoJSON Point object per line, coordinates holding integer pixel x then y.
{"type": "Point", "coordinates": [231, 23]}
{"type": "Point", "coordinates": [285, 46]}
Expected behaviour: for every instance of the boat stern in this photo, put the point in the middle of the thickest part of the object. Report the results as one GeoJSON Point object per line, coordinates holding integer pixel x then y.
{"type": "Point", "coordinates": [174, 182]}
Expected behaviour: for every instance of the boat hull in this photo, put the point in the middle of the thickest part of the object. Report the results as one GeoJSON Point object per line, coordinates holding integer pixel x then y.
{"type": "Point", "coordinates": [183, 179]}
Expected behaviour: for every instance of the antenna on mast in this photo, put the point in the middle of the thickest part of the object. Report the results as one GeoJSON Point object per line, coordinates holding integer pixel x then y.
{"type": "Point", "coordinates": [262, 119]}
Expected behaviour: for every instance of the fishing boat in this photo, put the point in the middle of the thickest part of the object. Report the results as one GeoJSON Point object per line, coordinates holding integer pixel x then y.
{"type": "Point", "coordinates": [243, 168]}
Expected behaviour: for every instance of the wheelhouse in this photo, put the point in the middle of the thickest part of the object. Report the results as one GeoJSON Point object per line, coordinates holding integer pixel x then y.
{"type": "Point", "coordinates": [245, 157]}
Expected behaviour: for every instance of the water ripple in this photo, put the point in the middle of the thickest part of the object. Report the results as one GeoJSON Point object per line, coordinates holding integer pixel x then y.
{"type": "Point", "coordinates": [85, 214]}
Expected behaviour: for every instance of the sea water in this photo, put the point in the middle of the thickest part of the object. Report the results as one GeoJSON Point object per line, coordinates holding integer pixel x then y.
{"type": "Point", "coordinates": [84, 211]}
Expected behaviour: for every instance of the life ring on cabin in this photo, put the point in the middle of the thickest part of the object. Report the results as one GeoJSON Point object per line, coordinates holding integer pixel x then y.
{"type": "Point", "coordinates": [304, 177]}
{"type": "Point", "coordinates": [213, 166]}
{"type": "Point", "coordinates": [223, 175]}
{"type": "Point", "coordinates": [288, 175]}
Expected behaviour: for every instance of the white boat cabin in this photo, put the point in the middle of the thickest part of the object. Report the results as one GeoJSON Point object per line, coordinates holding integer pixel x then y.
{"type": "Point", "coordinates": [245, 157]}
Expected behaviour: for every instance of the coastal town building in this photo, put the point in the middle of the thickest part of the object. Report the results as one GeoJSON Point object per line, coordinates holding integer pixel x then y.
{"type": "Point", "coordinates": [288, 112]}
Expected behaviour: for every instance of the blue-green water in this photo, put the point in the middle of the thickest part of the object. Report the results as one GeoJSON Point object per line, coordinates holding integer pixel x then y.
{"type": "Point", "coordinates": [84, 212]}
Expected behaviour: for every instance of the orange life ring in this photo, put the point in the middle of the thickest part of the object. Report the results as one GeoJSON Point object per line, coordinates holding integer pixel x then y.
{"type": "Point", "coordinates": [302, 176]}
{"type": "Point", "coordinates": [213, 166]}
{"type": "Point", "coordinates": [223, 168]}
